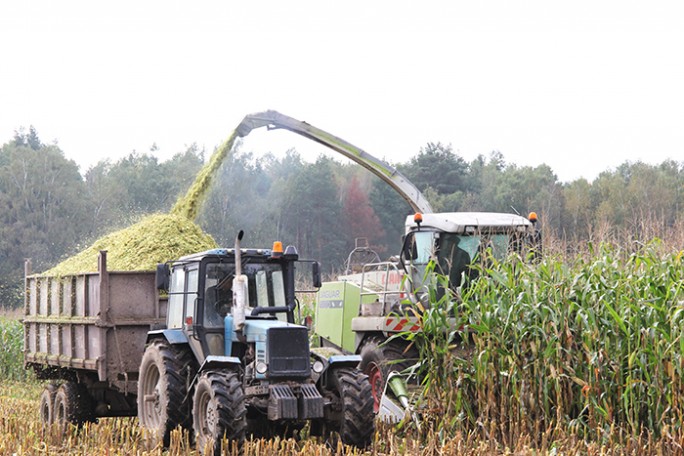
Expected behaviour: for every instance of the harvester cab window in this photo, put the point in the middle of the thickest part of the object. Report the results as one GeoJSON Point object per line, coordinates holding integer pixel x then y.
{"type": "Point", "coordinates": [455, 255]}
{"type": "Point", "coordinates": [419, 252]}
{"type": "Point", "coordinates": [423, 247]}
{"type": "Point", "coordinates": [500, 244]}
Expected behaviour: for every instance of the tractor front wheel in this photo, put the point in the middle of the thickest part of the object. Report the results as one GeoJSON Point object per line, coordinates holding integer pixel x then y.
{"type": "Point", "coordinates": [353, 404]}
{"type": "Point", "coordinates": [218, 410]}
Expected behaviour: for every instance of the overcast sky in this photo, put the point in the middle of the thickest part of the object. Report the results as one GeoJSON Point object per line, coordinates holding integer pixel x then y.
{"type": "Point", "coordinates": [581, 86]}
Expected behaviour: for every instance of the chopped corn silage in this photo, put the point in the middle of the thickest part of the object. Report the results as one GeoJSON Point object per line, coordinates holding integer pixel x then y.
{"type": "Point", "coordinates": [188, 206]}
{"type": "Point", "coordinates": [155, 239]}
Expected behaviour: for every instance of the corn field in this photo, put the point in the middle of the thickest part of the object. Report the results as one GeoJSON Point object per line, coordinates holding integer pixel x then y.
{"type": "Point", "coordinates": [557, 356]}
{"type": "Point", "coordinates": [11, 356]}
{"type": "Point", "coordinates": [590, 348]}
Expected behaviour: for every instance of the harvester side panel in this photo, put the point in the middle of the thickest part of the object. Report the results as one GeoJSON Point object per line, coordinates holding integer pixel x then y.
{"type": "Point", "coordinates": [338, 303]}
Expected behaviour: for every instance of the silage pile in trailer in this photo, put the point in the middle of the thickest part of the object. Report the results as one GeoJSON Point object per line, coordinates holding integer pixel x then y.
{"type": "Point", "coordinates": [157, 238]}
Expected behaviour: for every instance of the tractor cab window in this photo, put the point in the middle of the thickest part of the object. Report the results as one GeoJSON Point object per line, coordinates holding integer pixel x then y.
{"type": "Point", "coordinates": [266, 285]}
{"type": "Point", "coordinates": [176, 298]}
{"type": "Point", "coordinates": [182, 295]}
{"type": "Point", "coordinates": [191, 295]}
{"type": "Point", "coordinates": [265, 288]}
{"type": "Point", "coordinates": [218, 293]}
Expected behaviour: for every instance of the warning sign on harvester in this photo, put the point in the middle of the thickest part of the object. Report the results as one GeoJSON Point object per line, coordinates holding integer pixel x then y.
{"type": "Point", "coordinates": [336, 304]}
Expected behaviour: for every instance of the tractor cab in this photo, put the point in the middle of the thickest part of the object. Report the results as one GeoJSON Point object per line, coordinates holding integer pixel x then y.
{"type": "Point", "coordinates": [205, 302]}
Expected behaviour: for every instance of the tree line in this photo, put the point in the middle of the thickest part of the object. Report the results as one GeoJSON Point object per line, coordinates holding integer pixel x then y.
{"type": "Point", "coordinates": [49, 210]}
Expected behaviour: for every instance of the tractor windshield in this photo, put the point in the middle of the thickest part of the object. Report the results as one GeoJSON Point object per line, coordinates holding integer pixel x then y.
{"type": "Point", "coordinates": [265, 289]}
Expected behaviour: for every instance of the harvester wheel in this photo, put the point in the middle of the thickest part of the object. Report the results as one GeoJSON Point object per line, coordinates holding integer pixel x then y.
{"type": "Point", "coordinates": [164, 373]}
{"type": "Point", "coordinates": [380, 358]}
{"type": "Point", "coordinates": [72, 405]}
{"type": "Point", "coordinates": [218, 410]}
{"type": "Point", "coordinates": [47, 403]}
{"type": "Point", "coordinates": [355, 421]}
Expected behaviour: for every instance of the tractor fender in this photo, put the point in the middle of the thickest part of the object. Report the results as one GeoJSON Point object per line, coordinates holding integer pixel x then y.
{"type": "Point", "coordinates": [344, 360]}
{"type": "Point", "coordinates": [215, 362]}
{"type": "Point", "coordinates": [334, 361]}
{"type": "Point", "coordinates": [329, 356]}
{"type": "Point", "coordinates": [172, 336]}
{"type": "Point", "coordinates": [219, 362]}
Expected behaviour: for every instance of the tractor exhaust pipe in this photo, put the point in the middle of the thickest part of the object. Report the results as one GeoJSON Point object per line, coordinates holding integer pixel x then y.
{"type": "Point", "coordinates": [239, 288]}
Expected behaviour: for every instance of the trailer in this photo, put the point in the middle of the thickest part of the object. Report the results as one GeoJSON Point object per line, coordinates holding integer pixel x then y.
{"type": "Point", "coordinates": [86, 333]}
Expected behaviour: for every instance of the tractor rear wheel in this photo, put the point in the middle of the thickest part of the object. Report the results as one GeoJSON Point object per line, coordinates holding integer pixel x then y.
{"type": "Point", "coordinates": [354, 419]}
{"type": "Point", "coordinates": [218, 410]}
{"type": "Point", "coordinates": [379, 358]}
{"type": "Point", "coordinates": [164, 371]}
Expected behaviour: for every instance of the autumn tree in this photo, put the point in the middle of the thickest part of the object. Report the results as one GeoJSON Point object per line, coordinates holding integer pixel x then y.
{"type": "Point", "coordinates": [359, 216]}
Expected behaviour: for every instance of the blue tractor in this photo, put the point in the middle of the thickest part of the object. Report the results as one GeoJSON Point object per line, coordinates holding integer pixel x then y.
{"type": "Point", "coordinates": [231, 362]}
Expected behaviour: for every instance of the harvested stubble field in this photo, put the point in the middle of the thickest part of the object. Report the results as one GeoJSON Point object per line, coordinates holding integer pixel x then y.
{"type": "Point", "coordinates": [21, 433]}
{"type": "Point", "coordinates": [564, 357]}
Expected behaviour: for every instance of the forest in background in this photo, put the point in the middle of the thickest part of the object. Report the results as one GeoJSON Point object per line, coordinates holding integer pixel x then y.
{"type": "Point", "coordinates": [49, 210]}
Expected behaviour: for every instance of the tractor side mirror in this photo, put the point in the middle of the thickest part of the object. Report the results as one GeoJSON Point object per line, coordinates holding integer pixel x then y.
{"type": "Point", "coordinates": [316, 274]}
{"type": "Point", "coordinates": [163, 277]}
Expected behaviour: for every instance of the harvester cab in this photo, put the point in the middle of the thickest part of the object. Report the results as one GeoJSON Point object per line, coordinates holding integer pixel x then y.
{"type": "Point", "coordinates": [232, 361]}
{"type": "Point", "coordinates": [457, 241]}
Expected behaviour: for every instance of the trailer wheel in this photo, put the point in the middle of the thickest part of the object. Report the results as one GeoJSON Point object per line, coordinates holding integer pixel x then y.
{"type": "Point", "coordinates": [47, 402]}
{"type": "Point", "coordinates": [380, 358]}
{"type": "Point", "coordinates": [164, 371]}
{"type": "Point", "coordinates": [72, 405]}
{"type": "Point", "coordinates": [218, 410]}
{"type": "Point", "coordinates": [354, 419]}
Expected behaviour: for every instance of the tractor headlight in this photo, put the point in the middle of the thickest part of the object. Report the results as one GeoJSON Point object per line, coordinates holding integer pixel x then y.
{"type": "Point", "coordinates": [261, 367]}
{"type": "Point", "coordinates": [318, 367]}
